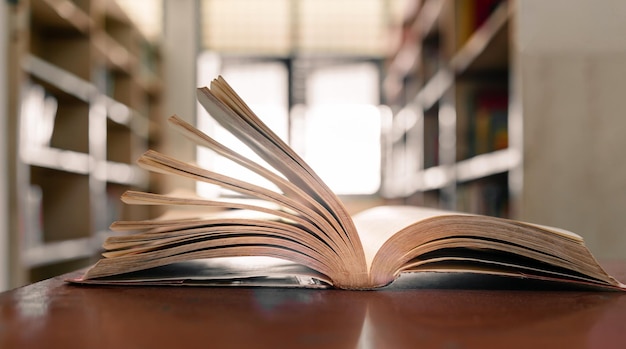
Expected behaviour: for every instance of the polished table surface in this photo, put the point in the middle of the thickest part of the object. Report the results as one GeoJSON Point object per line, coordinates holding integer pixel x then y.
{"type": "Point", "coordinates": [428, 311]}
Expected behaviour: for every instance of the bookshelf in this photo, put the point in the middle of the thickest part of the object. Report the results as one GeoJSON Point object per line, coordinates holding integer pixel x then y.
{"type": "Point", "coordinates": [88, 85]}
{"type": "Point", "coordinates": [448, 83]}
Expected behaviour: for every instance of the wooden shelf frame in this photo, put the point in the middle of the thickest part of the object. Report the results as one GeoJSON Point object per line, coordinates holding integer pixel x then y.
{"type": "Point", "coordinates": [483, 54]}
{"type": "Point", "coordinates": [66, 48]}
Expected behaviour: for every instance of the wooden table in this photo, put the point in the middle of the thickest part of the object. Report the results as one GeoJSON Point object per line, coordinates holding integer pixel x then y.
{"type": "Point", "coordinates": [449, 311]}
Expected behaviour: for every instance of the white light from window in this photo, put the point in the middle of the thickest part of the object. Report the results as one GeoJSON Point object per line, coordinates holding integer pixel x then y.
{"type": "Point", "coordinates": [342, 127]}
{"type": "Point", "coordinates": [343, 146]}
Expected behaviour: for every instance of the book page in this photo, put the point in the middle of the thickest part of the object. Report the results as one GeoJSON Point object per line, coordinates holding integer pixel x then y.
{"type": "Point", "coordinates": [226, 271]}
{"type": "Point", "coordinates": [376, 225]}
{"type": "Point", "coordinates": [452, 236]}
{"type": "Point", "coordinates": [228, 109]}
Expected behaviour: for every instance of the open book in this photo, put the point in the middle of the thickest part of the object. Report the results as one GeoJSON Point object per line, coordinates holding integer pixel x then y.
{"type": "Point", "coordinates": [302, 231]}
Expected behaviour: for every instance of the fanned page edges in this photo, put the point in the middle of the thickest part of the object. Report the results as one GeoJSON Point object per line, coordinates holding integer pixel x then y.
{"type": "Point", "coordinates": [231, 112]}
{"type": "Point", "coordinates": [157, 162]}
{"type": "Point", "coordinates": [204, 238]}
{"type": "Point", "coordinates": [481, 244]}
{"type": "Point", "coordinates": [310, 214]}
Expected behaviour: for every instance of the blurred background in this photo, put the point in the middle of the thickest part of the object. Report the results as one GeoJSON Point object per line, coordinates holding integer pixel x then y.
{"type": "Point", "coordinates": [506, 108]}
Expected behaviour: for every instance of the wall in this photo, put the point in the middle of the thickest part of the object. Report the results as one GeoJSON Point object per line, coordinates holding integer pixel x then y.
{"type": "Point", "coordinates": [572, 71]}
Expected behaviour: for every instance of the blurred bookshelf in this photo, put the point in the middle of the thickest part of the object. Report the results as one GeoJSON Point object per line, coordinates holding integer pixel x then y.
{"type": "Point", "coordinates": [448, 84]}
{"type": "Point", "coordinates": [88, 84]}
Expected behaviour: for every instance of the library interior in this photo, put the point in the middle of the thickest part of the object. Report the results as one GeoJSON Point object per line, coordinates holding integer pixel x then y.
{"type": "Point", "coordinates": [327, 231]}
{"type": "Point", "coordinates": [503, 108]}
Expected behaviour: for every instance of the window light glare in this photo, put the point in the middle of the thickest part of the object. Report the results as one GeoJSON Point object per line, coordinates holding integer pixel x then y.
{"type": "Point", "coordinates": [345, 156]}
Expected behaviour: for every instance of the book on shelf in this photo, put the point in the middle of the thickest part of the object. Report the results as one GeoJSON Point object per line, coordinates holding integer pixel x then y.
{"type": "Point", "coordinates": [301, 234]}
{"type": "Point", "coordinates": [488, 126]}
{"type": "Point", "coordinates": [471, 15]}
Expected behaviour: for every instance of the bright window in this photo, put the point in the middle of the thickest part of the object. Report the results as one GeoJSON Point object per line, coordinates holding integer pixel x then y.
{"type": "Point", "coordinates": [342, 127]}
{"type": "Point", "coordinates": [337, 131]}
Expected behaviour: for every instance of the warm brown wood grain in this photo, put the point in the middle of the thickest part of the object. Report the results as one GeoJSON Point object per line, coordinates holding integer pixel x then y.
{"type": "Point", "coordinates": [458, 311]}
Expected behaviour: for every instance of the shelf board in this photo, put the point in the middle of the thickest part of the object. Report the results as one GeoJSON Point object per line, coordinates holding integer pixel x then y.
{"type": "Point", "coordinates": [121, 173]}
{"type": "Point", "coordinates": [487, 164]}
{"type": "Point", "coordinates": [439, 177]}
{"type": "Point", "coordinates": [425, 23]}
{"type": "Point", "coordinates": [79, 163]}
{"type": "Point", "coordinates": [478, 50]}
{"type": "Point", "coordinates": [61, 251]}
{"type": "Point", "coordinates": [151, 83]}
{"type": "Point", "coordinates": [60, 16]}
{"type": "Point", "coordinates": [407, 55]}
{"type": "Point", "coordinates": [59, 78]}
{"type": "Point", "coordinates": [122, 114]}
{"type": "Point", "coordinates": [117, 57]}
{"type": "Point", "coordinates": [400, 186]}
{"type": "Point", "coordinates": [435, 88]}
{"type": "Point", "coordinates": [114, 11]}
{"type": "Point", "coordinates": [57, 159]}
{"type": "Point", "coordinates": [405, 120]}
{"type": "Point", "coordinates": [432, 178]}
{"type": "Point", "coordinates": [118, 112]}
{"type": "Point", "coordinates": [72, 85]}
{"type": "Point", "coordinates": [490, 40]}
